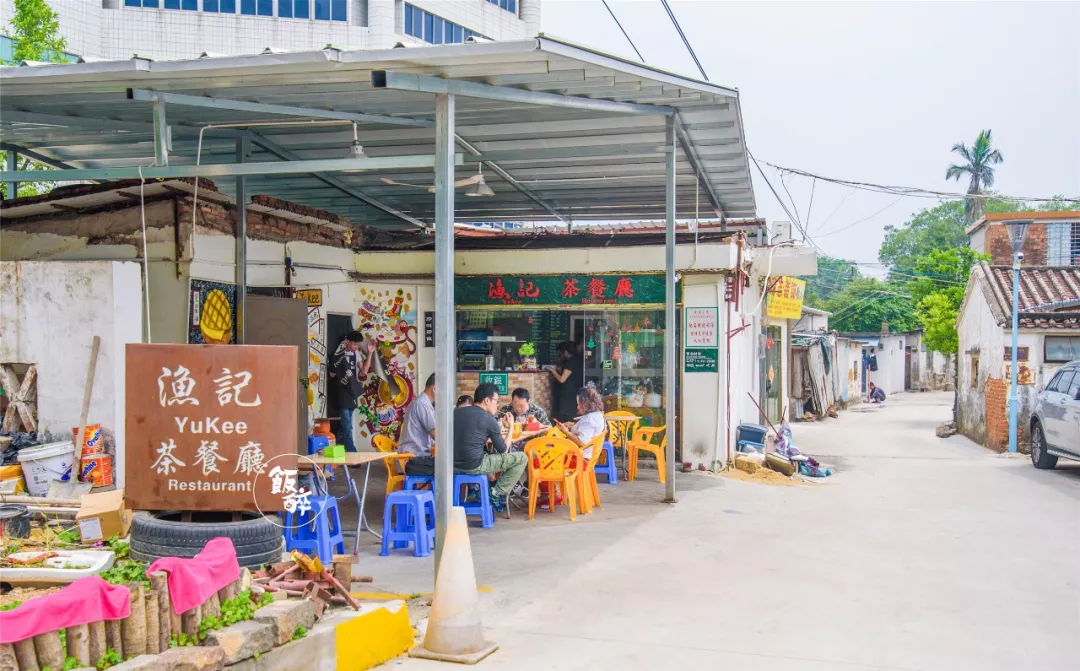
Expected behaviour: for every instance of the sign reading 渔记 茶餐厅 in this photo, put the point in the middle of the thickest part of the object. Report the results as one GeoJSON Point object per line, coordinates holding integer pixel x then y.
{"type": "Point", "coordinates": [210, 428]}
{"type": "Point", "coordinates": [785, 298]}
{"type": "Point", "coordinates": [528, 290]}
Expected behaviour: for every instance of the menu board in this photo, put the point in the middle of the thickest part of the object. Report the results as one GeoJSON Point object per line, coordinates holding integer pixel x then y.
{"type": "Point", "coordinates": [558, 333]}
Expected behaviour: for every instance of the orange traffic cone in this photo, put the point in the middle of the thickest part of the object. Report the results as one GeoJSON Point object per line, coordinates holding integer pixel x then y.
{"type": "Point", "coordinates": [454, 631]}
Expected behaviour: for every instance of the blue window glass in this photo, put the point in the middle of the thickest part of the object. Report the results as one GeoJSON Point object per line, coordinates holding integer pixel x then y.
{"type": "Point", "coordinates": [127, 3]}
{"type": "Point", "coordinates": [322, 10]}
{"type": "Point", "coordinates": [448, 35]}
{"type": "Point", "coordinates": [511, 5]}
{"type": "Point", "coordinates": [172, 4]}
{"type": "Point", "coordinates": [265, 7]}
{"type": "Point", "coordinates": [408, 19]}
{"type": "Point", "coordinates": [247, 7]}
{"type": "Point", "coordinates": [428, 34]}
{"type": "Point", "coordinates": [337, 10]}
{"type": "Point", "coordinates": [284, 8]}
{"type": "Point", "coordinates": [228, 6]}
{"type": "Point", "coordinates": [436, 30]}
{"type": "Point", "coordinates": [302, 9]}
{"type": "Point", "coordinates": [150, 3]}
{"type": "Point", "coordinates": [458, 34]}
{"type": "Point", "coordinates": [502, 3]}
{"type": "Point", "coordinates": [190, 5]}
{"type": "Point", "coordinates": [210, 5]}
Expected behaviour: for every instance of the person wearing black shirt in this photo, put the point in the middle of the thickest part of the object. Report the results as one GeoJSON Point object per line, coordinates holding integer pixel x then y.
{"type": "Point", "coordinates": [474, 426]}
{"type": "Point", "coordinates": [569, 378]}
{"type": "Point", "coordinates": [347, 374]}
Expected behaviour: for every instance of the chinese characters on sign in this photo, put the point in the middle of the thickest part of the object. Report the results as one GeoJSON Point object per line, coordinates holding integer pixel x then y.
{"type": "Point", "coordinates": [701, 327]}
{"type": "Point", "coordinates": [560, 290]}
{"type": "Point", "coordinates": [786, 298]}
{"type": "Point", "coordinates": [202, 424]}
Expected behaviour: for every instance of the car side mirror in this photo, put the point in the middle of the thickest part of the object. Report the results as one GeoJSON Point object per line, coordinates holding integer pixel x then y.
{"type": "Point", "coordinates": [1076, 395]}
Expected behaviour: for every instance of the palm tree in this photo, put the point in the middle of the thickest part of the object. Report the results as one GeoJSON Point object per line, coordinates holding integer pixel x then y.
{"type": "Point", "coordinates": [979, 157]}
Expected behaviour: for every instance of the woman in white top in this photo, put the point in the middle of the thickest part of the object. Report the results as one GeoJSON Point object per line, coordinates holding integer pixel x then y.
{"type": "Point", "coordinates": [590, 421]}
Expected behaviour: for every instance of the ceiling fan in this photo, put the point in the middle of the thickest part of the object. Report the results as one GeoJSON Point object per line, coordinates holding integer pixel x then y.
{"type": "Point", "coordinates": [477, 185]}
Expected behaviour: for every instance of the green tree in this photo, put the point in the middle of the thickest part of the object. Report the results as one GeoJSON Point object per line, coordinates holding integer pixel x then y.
{"type": "Point", "coordinates": [35, 29]}
{"type": "Point", "coordinates": [832, 276]}
{"type": "Point", "coordinates": [867, 302]}
{"type": "Point", "coordinates": [978, 159]}
{"type": "Point", "coordinates": [938, 318]}
{"type": "Point", "coordinates": [940, 227]}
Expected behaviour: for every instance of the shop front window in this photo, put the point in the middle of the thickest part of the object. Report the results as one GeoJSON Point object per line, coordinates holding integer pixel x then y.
{"type": "Point", "coordinates": [772, 379]}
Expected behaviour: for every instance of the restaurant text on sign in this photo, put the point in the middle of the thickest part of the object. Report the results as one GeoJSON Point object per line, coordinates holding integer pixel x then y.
{"type": "Point", "coordinates": [701, 327]}
{"type": "Point", "coordinates": [218, 416]}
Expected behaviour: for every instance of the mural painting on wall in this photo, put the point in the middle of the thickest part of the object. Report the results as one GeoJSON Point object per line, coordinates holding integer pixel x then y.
{"type": "Point", "coordinates": [211, 313]}
{"type": "Point", "coordinates": [316, 374]}
{"type": "Point", "coordinates": [388, 314]}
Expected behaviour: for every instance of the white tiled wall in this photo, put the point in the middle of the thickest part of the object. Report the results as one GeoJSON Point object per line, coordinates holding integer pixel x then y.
{"type": "Point", "coordinates": [109, 30]}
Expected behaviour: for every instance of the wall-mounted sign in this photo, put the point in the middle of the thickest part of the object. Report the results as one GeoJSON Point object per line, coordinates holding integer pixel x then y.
{"type": "Point", "coordinates": [429, 329]}
{"type": "Point", "coordinates": [785, 298]}
{"type": "Point", "coordinates": [211, 313]}
{"type": "Point", "coordinates": [312, 296]}
{"type": "Point", "coordinates": [701, 327]}
{"type": "Point", "coordinates": [500, 380]}
{"type": "Point", "coordinates": [206, 425]}
{"type": "Point", "coordinates": [560, 290]}
{"type": "Point", "coordinates": [701, 360]}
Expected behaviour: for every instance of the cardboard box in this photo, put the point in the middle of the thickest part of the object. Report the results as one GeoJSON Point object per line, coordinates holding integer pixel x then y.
{"type": "Point", "coordinates": [103, 516]}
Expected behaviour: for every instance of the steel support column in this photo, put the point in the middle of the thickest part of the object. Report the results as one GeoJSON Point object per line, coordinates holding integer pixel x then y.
{"type": "Point", "coordinates": [445, 349]}
{"type": "Point", "coordinates": [161, 136]}
{"type": "Point", "coordinates": [243, 146]}
{"type": "Point", "coordinates": [12, 165]}
{"type": "Point", "coordinates": [671, 330]}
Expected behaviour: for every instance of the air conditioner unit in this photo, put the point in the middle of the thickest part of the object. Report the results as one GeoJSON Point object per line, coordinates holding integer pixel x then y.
{"type": "Point", "coordinates": [780, 231]}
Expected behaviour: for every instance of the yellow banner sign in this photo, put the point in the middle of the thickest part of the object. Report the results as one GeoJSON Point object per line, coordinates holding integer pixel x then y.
{"type": "Point", "coordinates": [786, 298]}
{"type": "Point", "coordinates": [312, 296]}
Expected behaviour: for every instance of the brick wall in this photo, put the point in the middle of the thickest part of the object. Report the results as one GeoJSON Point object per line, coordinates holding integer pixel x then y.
{"type": "Point", "coordinates": [996, 394]}
{"type": "Point", "coordinates": [999, 247]}
{"type": "Point", "coordinates": [540, 386]}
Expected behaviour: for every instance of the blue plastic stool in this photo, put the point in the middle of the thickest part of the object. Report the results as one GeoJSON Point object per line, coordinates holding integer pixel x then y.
{"type": "Point", "coordinates": [483, 508]}
{"type": "Point", "coordinates": [415, 522]}
{"type": "Point", "coordinates": [411, 482]}
{"type": "Point", "coordinates": [609, 469]}
{"type": "Point", "coordinates": [316, 532]}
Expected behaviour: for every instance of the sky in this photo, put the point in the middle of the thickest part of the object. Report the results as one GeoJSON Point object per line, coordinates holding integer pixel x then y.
{"type": "Point", "coordinates": [869, 91]}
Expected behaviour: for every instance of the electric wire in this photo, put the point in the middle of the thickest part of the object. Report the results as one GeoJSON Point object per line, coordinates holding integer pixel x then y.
{"type": "Point", "coordinates": [625, 34]}
{"type": "Point", "coordinates": [685, 41]}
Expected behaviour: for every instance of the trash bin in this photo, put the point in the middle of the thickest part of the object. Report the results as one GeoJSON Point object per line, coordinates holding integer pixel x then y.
{"type": "Point", "coordinates": [750, 434]}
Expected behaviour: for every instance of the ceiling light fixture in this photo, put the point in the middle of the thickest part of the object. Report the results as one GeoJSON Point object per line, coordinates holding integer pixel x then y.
{"type": "Point", "coordinates": [356, 150]}
{"type": "Point", "coordinates": [480, 187]}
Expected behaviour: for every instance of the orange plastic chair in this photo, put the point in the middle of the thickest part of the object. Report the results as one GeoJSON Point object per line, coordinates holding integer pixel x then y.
{"type": "Point", "coordinates": [642, 442]}
{"type": "Point", "coordinates": [548, 459]}
{"type": "Point", "coordinates": [588, 489]}
{"type": "Point", "coordinates": [395, 463]}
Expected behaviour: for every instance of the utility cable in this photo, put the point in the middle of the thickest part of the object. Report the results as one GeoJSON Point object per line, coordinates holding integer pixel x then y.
{"type": "Point", "coordinates": [792, 217]}
{"type": "Point", "coordinates": [685, 41]}
{"type": "Point", "coordinates": [625, 34]}
{"type": "Point", "coordinates": [810, 207]}
{"type": "Point", "coordinates": [844, 228]}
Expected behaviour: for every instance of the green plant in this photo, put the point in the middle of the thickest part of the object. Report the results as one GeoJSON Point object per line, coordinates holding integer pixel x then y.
{"type": "Point", "coordinates": [299, 633]}
{"type": "Point", "coordinates": [977, 161]}
{"type": "Point", "coordinates": [111, 658]}
{"type": "Point", "coordinates": [258, 655]}
{"type": "Point", "coordinates": [267, 599]}
{"type": "Point", "coordinates": [70, 663]}
{"type": "Point", "coordinates": [125, 571]}
{"type": "Point", "coordinates": [119, 547]}
{"type": "Point", "coordinates": [181, 640]}
{"type": "Point", "coordinates": [208, 624]}
{"type": "Point", "coordinates": [69, 537]}
{"type": "Point", "coordinates": [527, 349]}
{"type": "Point", "coordinates": [11, 606]}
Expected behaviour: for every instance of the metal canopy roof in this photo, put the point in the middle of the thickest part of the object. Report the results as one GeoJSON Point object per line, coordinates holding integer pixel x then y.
{"type": "Point", "coordinates": [585, 162]}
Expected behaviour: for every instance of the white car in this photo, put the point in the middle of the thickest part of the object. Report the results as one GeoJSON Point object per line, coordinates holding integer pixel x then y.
{"type": "Point", "coordinates": [1055, 421]}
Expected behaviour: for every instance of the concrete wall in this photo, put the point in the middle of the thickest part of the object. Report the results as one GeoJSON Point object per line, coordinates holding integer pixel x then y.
{"type": "Point", "coordinates": [704, 395]}
{"type": "Point", "coordinates": [849, 356]}
{"type": "Point", "coordinates": [890, 357]}
{"type": "Point", "coordinates": [49, 314]}
{"type": "Point", "coordinates": [811, 323]}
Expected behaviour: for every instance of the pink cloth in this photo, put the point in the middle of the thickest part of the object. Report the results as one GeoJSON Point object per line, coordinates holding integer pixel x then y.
{"type": "Point", "coordinates": [86, 600]}
{"type": "Point", "coordinates": [193, 581]}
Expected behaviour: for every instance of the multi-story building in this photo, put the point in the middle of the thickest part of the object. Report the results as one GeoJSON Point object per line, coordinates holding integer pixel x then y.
{"type": "Point", "coordinates": [162, 29]}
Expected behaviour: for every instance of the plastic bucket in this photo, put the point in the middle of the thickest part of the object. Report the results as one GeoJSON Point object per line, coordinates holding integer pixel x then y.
{"type": "Point", "coordinates": [45, 463]}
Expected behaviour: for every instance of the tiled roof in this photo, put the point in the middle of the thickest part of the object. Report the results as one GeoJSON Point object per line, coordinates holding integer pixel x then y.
{"type": "Point", "coordinates": [1049, 296]}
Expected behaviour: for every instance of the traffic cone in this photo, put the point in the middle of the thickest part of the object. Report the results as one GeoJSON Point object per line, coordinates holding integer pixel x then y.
{"type": "Point", "coordinates": [454, 631]}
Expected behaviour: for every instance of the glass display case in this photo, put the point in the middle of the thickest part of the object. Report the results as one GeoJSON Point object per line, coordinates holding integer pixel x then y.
{"type": "Point", "coordinates": [624, 359]}
{"type": "Point", "coordinates": [509, 340]}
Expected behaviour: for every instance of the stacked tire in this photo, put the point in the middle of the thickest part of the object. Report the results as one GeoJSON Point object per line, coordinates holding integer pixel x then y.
{"type": "Point", "coordinates": [155, 535]}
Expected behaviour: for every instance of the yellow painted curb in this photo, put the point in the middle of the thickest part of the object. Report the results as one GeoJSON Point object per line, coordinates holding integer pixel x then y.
{"type": "Point", "coordinates": [368, 640]}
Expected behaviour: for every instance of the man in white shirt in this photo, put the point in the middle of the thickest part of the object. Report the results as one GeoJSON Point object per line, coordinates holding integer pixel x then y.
{"type": "Point", "coordinates": [418, 425]}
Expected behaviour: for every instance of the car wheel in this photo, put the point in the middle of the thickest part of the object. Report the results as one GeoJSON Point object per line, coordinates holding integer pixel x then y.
{"type": "Point", "coordinates": [163, 534]}
{"type": "Point", "coordinates": [1040, 458]}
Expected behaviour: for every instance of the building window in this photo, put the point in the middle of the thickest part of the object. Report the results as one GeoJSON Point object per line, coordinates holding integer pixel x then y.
{"type": "Point", "coordinates": [1063, 243]}
{"type": "Point", "coordinates": [1060, 349]}
{"type": "Point", "coordinates": [191, 5]}
{"type": "Point", "coordinates": [508, 5]}
{"type": "Point", "coordinates": [222, 6]}
{"type": "Point", "coordinates": [142, 3]}
{"type": "Point", "coordinates": [294, 9]}
{"type": "Point", "coordinates": [974, 371]}
{"type": "Point", "coordinates": [433, 29]}
{"type": "Point", "coordinates": [257, 7]}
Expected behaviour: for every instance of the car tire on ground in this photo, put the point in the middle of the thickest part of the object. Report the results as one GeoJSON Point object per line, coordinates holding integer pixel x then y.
{"type": "Point", "coordinates": [1039, 456]}
{"type": "Point", "coordinates": [162, 534]}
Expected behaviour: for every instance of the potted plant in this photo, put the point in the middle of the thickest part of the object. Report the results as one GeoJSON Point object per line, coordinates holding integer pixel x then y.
{"type": "Point", "coordinates": [527, 352]}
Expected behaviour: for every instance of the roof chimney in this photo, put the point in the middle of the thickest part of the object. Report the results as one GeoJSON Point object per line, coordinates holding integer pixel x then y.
{"type": "Point", "coordinates": [884, 327]}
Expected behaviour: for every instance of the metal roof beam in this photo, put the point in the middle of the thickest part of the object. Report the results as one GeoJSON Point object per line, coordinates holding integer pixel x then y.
{"type": "Point", "coordinates": [330, 180]}
{"type": "Point", "coordinates": [386, 79]}
{"type": "Point", "coordinates": [513, 182]}
{"type": "Point", "coordinates": [224, 169]}
{"type": "Point", "coordinates": [263, 108]}
{"type": "Point", "coordinates": [695, 162]}
{"type": "Point", "coordinates": [33, 119]}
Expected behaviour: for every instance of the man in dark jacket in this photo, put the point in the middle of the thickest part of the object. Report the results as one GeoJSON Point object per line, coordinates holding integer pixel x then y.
{"type": "Point", "coordinates": [348, 369]}
{"type": "Point", "coordinates": [474, 426]}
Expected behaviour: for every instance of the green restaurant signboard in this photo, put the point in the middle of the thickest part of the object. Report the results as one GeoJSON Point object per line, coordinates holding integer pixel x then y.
{"type": "Point", "coordinates": [500, 380]}
{"type": "Point", "coordinates": [702, 360]}
{"type": "Point", "coordinates": [585, 290]}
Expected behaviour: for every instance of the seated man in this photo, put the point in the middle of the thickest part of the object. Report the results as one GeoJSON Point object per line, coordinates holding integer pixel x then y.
{"type": "Point", "coordinates": [876, 394]}
{"type": "Point", "coordinates": [474, 426]}
{"type": "Point", "coordinates": [521, 408]}
{"type": "Point", "coordinates": [418, 425]}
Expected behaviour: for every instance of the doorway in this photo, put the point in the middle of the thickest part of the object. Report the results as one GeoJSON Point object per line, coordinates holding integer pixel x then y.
{"type": "Point", "coordinates": [337, 327]}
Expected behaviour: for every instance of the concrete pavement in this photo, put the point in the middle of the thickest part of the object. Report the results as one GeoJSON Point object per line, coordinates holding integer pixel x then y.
{"type": "Point", "coordinates": [921, 553]}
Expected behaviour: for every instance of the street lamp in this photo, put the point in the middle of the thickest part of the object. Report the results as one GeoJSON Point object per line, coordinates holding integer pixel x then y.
{"type": "Point", "coordinates": [1017, 231]}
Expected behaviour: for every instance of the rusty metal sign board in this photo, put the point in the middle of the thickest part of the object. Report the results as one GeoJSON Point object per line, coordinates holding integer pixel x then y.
{"type": "Point", "coordinates": [210, 427]}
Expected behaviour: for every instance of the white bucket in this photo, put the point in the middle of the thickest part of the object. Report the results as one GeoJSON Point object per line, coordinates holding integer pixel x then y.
{"type": "Point", "coordinates": [45, 463]}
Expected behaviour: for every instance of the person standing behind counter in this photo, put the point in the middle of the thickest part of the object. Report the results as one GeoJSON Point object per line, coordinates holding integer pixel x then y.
{"type": "Point", "coordinates": [569, 377]}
